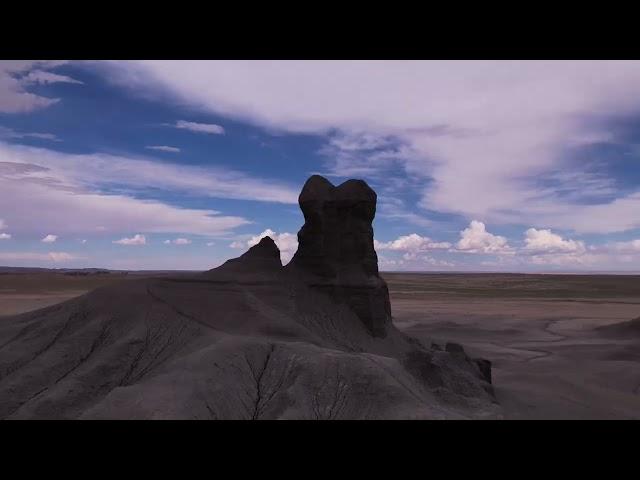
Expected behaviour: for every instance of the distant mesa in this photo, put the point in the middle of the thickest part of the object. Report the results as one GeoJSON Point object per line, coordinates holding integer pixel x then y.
{"type": "Point", "coordinates": [250, 339]}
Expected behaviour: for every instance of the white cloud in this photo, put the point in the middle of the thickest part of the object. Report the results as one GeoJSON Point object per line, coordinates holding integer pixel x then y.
{"type": "Point", "coordinates": [412, 243]}
{"type": "Point", "coordinates": [61, 256]}
{"type": "Point", "coordinates": [49, 239]}
{"type": "Point", "coordinates": [46, 188]}
{"type": "Point", "coordinates": [465, 124]}
{"type": "Point", "coordinates": [137, 239]}
{"type": "Point", "coordinates": [13, 96]}
{"type": "Point", "coordinates": [286, 242]}
{"type": "Point", "coordinates": [86, 171]}
{"type": "Point", "coordinates": [43, 77]}
{"type": "Point", "coordinates": [163, 148]}
{"type": "Point", "coordinates": [56, 257]}
{"type": "Point", "coordinates": [200, 127]}
{"type": "Point", "coordinates": [476, 239]}
{"type": "Point", "coordinates": [567, 260]}
{"type": "Point", "coordinates": [632, 247]}
{"type": "Point", "coordinates": [178, 241]}
{"type": "Point", "coordinates": [545, 241]}
{"type": "Point", "coordinates": [8, 133]}
{"type": "Point", "coordinates": [2, 224]}
{"type": "Point", "coordinates": [210, 244]}
{"type": "Point", "coordinates": [5, 236]}
{"type": "Point", "coordinates": [414, 262]}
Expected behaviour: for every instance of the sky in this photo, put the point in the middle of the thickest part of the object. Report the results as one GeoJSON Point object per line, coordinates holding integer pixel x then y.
{"type": "Point", "coordinates": [519, 166]}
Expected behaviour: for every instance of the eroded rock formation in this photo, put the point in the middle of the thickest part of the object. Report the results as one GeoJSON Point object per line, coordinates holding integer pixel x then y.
{"type": "Point", "coordinates": [335, 249]}
{"type": "Point", "coordinates": [263, 257]}
{"type": "Point", "coordinates": [247, 340]}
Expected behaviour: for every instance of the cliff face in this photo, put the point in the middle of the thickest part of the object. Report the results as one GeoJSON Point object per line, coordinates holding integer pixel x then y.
{"type": "Point", "coordinates": [335, 249]}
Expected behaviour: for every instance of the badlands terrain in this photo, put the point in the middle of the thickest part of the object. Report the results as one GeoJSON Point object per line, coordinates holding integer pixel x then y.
{"type": "Point", "coordinates": [560, 345]}
{"type": "Point", "coordinates": [251, 339]}
{"type": "Point", "coordinates": [324, 337]}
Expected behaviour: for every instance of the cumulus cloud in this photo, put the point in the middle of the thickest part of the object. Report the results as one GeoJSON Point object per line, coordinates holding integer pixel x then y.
{"type": "Point", "coordinates": [5, 236]}
{"type": "Point", "coordinates": [200, 127]}
{"type": "Point", "coordinates": [286, 242]}
{"type": "Point", "coordinates": [412, 243]}
{"type": "Point", "coordinates": [476, 239]}
{"type": "Point", "coordinates": [163, 148]}
{"type": "Point", "coordinates": [49, 238]}
{"type": "Point", "coordinates": [501, 125]}
{"type": "Point", "coordinates": [137, 239]}
{"type": "Point", "coordinates": [545, 241]}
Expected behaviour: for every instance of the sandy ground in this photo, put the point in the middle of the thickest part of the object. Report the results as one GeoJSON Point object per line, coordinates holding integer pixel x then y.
{"type": "Point", "coordinates": [548, 361]}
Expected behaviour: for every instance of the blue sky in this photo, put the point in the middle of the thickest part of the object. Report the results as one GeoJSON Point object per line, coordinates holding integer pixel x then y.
{"type": "Point", "coordinates": [498, 166]}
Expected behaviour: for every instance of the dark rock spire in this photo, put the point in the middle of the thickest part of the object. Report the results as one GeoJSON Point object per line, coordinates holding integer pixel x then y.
{"type": "Point", "coordinates": [335, 248]}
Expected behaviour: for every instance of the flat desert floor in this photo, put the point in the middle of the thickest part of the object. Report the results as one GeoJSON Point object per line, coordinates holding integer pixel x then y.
{"type": "Point", "coordinates": [23, 292]}
{"type": "Point", "coordinates": [550, 360]}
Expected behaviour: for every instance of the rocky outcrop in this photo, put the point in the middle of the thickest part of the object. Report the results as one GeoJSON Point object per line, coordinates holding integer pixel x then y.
{"type": "Point", "coordinates": [335, 249]}
{"type": "Point", "coordinates": [263, 257]}
{"type": "Point", "coordinates": [247, 340]}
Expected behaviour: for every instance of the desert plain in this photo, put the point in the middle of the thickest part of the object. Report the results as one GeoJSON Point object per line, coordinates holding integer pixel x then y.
{"type": "Point", "coordinates": [556, 349]}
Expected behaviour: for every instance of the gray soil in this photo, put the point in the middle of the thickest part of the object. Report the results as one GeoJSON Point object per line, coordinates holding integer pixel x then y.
{"type": "Point", "coordinates": [562, 347]}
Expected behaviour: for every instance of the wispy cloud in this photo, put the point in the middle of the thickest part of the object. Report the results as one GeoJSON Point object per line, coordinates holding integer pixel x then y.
{"type": "Point", "coordinates": [88, 171]}
{"type": "Point", "coordinates": [211, 128]}
{"type": "Point", "coordinates": [478, 131]}
{"type": "Point", "coordinates": [49, 187]}
{"type": "Point", "coordinates": [8, 134]}
{"type": "Point", "coordinates": [163, 148]}
{"type": "Point", "coordinates": [16, 75]}
{"type": "Point", "coordinates": [55, 257]}
{"type": "Point", "coordinates": [44, 77]}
